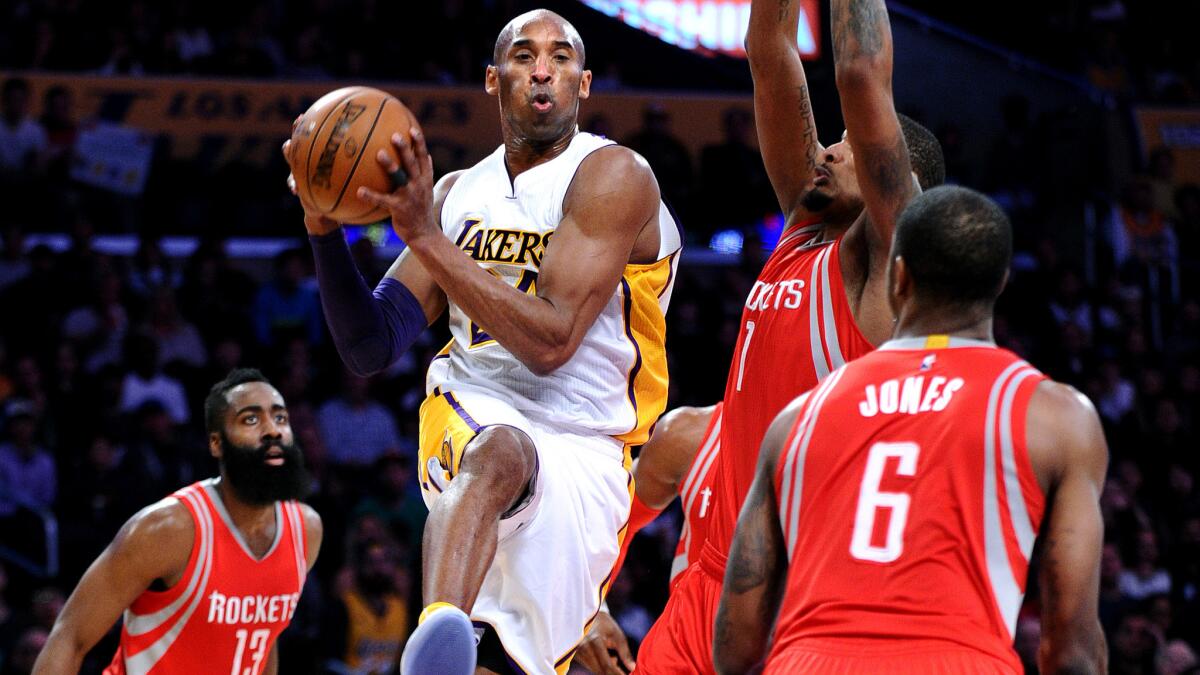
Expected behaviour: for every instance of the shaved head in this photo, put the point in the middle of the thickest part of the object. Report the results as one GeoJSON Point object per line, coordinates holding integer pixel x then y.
{"type": "Point", "coordinates": [514, 27]}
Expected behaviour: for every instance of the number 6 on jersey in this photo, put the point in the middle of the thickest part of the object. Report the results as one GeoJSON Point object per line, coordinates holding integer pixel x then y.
{"type": "Point", "coordinates": [871, 500]}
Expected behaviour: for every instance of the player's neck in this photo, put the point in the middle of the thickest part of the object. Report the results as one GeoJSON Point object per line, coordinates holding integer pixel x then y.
{"type": "Point", "coordinates": [245, 515]}
{"type": "Point", "coordinates": [951, 320]}
{"type": "Point", "coordinates": [522, 154]}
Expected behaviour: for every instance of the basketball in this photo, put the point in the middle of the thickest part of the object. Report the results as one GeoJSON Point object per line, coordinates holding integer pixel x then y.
{"type": "Point", "coordinates": [334, 147]}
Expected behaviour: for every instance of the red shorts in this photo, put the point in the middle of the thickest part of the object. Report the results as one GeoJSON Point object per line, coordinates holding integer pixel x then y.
{"type": "Point", "coordinates": [843, 658]}
{"type": "Point", "coordinates": [681, 641]}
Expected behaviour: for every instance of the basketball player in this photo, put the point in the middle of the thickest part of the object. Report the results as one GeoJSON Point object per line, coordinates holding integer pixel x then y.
{"type": "Point", "coordinates": [207, 578]}
{"type": "Point", "coordinates": [895, 507]}
{"type": "Point", "coordinates": [555, 257]}
{"type": "Point", "coordinates": [677, 460]}
{"type": "Point", "coordinates": [820, 299]}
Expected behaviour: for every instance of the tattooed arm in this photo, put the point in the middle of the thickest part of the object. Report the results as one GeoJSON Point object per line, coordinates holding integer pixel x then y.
{"type": "Point", "coordinates": [787, 132]}
{"type": "Point", "coordinates": [754, 578]}
{"type": "Point", "coordinates": [862, 56]}
{"type": "Point", "coordinates": [1067, 449]}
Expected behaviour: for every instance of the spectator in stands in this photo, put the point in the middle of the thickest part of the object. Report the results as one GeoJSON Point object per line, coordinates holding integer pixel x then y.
{"type": "Point", "coordinates": [288, 306]}
{"type": "Point", "coordinates": [1133, 646]}
{"type": "Point", "coordinates": [28, 477]}
{"type": "Point", "coordinates": [22, 141]}
{"type": "Point", "coordinates": [396, 499]}
{"type": "Point", "coordinates": [14, 265]}
{"type": "Point", "coordinates": [356, 429]}
{"type": "Point", "coordinates": [667, 155]}
{"type": "Point", "coordinates": [369, 624]}
{"type": "Point", "coordinates": [1145, 577]}
{"type": "Point", "coordinates": [26, 652]}
{"type": "Point", "coordinates": [733, 167]}
{"type": "Point", "coordinates": [1176, 658]}
{"type": "Point", "coordinates": [61, 131]}
{"type": "Point", "coordinates": [178, 339]}
{"type": "Point", "coordinates": [99, 329]}
{"type": "Point", "coordinates": [145, 381]}
{"type": "Point", "coordinates": [151, 269]}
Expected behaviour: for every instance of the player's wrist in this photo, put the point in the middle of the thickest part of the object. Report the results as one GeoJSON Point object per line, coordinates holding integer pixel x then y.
{"type": "Point", "coordinates": [318, 225]}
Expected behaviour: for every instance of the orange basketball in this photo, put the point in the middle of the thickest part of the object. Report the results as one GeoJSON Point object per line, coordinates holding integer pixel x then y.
{"type": "Point", "coordinates": [333, 151]}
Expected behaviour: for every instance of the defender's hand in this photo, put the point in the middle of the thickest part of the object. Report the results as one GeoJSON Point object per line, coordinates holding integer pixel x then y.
{"type": "Point", "coordinates": [605, 637]}
{"type": "Point", "coordinates": [411, 203]}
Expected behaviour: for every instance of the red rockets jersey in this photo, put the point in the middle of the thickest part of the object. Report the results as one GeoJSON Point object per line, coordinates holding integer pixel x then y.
{"type": "Point", "coordinates": [226, 612]}
{"type": "Point", "coordinates": [797, 327]}
{"type": "Point", "coordinates": [908, 503]}
{"type": "Point", "coordinates": [696, 493]}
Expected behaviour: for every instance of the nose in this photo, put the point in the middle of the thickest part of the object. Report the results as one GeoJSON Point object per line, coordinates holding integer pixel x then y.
{"type": "Point", "coordinates": [541, 71]}
{"type": "Point", "coordinates": [831, 155]}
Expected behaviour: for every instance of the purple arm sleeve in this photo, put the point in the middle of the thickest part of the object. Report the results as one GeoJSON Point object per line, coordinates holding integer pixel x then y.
{"type": "Point", "coordinates": [370, 330]}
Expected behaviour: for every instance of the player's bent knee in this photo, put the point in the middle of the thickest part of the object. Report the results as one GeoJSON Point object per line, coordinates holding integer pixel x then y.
{"type": "Point", "coordinates": [503, 459]}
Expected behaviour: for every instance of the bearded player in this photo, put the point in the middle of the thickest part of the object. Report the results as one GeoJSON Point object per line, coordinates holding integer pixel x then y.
{"type": "Point", "coordinates": [555, 259]}
{"type": "Point", "coordinates": [207, 578]}
{"type": "Point", "coordinates": [821, 298]}
{"type": "Point", "coordinates": [896, 506]}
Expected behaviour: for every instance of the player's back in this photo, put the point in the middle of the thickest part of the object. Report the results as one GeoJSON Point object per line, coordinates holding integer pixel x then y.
{"type": "Point", "coordinates": [909, 507]}
{"type": "Point", "coordinates": [797, 327]}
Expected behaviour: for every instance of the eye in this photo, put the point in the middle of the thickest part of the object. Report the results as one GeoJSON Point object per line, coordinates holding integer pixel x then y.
{"type": "Point", "coordinates": [561, 58]}
{"type": "Point", "coordinates": [523, 57]}
{"type": "Point", "coordinates": [281, 418]}
{"type": "Point", "coordinates": [250, 419]}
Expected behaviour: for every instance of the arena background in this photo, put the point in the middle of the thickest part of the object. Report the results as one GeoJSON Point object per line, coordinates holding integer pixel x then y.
{"type": "Point", "coordinates": [149, 245]}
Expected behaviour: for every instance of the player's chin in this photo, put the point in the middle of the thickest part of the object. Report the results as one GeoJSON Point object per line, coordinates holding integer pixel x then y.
{"type": "Point", "coordinates": [818, 199]}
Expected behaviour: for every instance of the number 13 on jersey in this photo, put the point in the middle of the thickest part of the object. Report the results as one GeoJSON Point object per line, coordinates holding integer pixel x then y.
{"type": "Point", "coordinates": [872, 502]}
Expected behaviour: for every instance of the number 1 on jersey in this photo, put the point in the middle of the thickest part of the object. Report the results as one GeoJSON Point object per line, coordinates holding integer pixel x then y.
{"type": "Point", "coordinates": [745, 348]}
{"type": "Point", "coordinates": [871, 500]}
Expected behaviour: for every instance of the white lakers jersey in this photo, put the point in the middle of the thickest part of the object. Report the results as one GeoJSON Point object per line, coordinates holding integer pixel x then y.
{"type": "Point", "coordinates": [616, 383]}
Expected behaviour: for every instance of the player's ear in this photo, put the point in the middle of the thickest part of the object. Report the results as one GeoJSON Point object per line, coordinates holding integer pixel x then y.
{"type": "Point", "coordinates": [899, 284]}
{"type": "Point", "coordinates": [585, 84]}
{"type": "Point", "coordinates": [1004, 281]}
{"type": "Point", "coordinates": [214, 445]}
{"type": "Point", "coordinates": [491, 81]}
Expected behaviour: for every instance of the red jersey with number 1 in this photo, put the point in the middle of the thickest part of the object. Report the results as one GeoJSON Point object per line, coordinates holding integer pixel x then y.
{"type": "Point", "coordinates": [797, 327]}
{"type": "Point", "coordinates": [226, 612]}
{"type": "Point", "coordinates": [909, 509]}
{"type": "Point", "coordinates": [696, 493]}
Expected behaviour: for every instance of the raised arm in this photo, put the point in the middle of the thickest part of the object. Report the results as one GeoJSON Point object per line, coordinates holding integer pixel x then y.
{"type": "Point", "coordinates": [154, 544]}
{"type": "Point", "coordinates": [862, 57]}
{"type": "Point", "coordinates": [754, 578]}
{"type": "Point", "coordinates": [1068, 451]}
{"type": "Point", "coordinates": [787, 131]}
{"type": "Point", "coordinates": [613, 197]}
{"type": "Point", "coordinates": [371, 329]}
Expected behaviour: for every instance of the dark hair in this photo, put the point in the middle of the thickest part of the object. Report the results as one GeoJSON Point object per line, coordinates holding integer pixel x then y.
{"type": "Point", "coordinates": [956, 244]}
{"type": "Point", "coordinates": [924, 151]}
{"type": "Point", "coordinates": [215, 404]}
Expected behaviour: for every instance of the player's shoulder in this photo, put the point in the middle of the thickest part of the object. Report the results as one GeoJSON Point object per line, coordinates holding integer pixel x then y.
{"type": "Point", "coordinates": [611, 164]}
{"type": "Point", "coordinates": [312, 520]}
{"type": "Point", "coordinates": [162, 526]}
{"type": "Point", "coordinates": [1063, 429]}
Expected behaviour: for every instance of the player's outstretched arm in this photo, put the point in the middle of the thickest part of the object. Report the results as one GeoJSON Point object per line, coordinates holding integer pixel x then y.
{"type": "Point", "coordinates": [754, 578]}
{"type": "Point", "coordinates": [371, 329]}
{"type": "Point", "coordinates": [154, 544]}
{"type": "Point", "coordinates": [1066, 444]}
{"type": "Point", "coordinates": [862, 57]}
{"type": "Point", "coordinates": [783, 115]}
{"type": "Point", "coordinates": [613, 197]}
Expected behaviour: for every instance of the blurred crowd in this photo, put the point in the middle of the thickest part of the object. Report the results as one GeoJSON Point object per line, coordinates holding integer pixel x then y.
{"type": "Point", "coordinates": [105, 359]}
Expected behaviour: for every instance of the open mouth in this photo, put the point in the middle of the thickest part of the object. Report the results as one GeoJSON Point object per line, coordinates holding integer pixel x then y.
{"type": "Point", "coordinates": [542, 103]}
{"type": "Point", "coordinates": [821, 176]}
{"type": "Point", "coordinates": [274, 457]}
